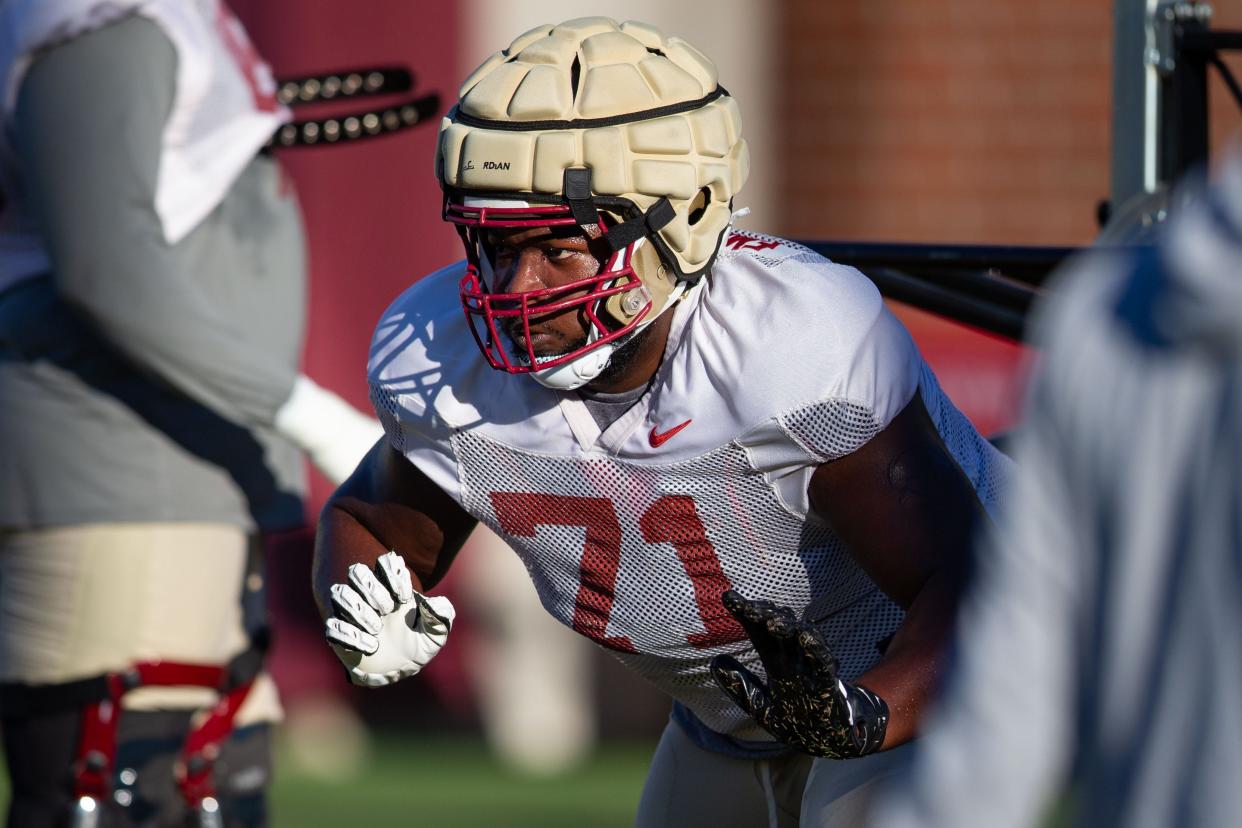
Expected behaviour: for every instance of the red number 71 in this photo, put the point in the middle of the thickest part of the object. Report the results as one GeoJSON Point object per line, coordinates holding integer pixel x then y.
{"type": "Point", "coordinates": [672, 519]}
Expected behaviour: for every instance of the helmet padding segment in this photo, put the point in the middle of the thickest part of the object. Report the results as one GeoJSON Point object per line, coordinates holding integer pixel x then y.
{"type": "Point", "coordinates": [644, 112]}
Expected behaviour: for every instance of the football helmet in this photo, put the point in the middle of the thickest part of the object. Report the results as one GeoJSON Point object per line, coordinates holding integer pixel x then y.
{"type": "Point", "coordinates": [616, 129]}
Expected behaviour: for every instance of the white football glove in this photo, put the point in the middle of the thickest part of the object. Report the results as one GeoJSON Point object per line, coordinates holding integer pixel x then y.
{"type": "Point", "coordinates": [381, 629]}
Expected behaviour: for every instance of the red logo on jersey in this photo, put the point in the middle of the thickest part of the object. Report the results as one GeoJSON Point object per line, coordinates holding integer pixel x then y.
{"type": "Point", "coordinates": [741, 241]}
{"type": "Point", "coordinates": [258, 74]}
{"type": "Point", "coordinates": [656, 439]}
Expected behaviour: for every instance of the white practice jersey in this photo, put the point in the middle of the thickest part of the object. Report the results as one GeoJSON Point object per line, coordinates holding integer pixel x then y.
{"type": "Point", "coordinates": [224, 110]}
{"type": "Point", "coordinates": [780, 362]}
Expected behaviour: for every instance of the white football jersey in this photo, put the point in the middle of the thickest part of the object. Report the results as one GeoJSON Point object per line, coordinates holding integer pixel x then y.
{"type": "Point", "coordinates": [780, 362]}
{"type": "Point", "coordinates": [224, 109]}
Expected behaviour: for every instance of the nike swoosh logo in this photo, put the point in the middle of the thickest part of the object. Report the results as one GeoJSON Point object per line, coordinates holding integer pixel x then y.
{"type": "Point", "coordinates": [657, 439]}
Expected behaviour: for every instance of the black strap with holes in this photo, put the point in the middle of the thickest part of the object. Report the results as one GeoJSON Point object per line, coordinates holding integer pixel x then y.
{"type": "Point", "coordinates": [352, 84]}
{"type": "Point", "coordinates": [356, 126]}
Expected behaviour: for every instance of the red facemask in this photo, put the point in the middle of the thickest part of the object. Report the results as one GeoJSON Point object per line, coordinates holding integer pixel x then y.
{"type": "Point", "coordinates": [489, 312]}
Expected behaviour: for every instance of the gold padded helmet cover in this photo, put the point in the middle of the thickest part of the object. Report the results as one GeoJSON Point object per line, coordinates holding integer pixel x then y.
{"type": "Point", "coordinates": [642, 111]}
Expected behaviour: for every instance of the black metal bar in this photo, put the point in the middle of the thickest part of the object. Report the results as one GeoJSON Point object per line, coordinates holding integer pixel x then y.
{"type": "Point", "coordinates": [1206, 41]}
{"type": "Point", "coordinates": [1184, 123]}
{"type": "Point", "coordinates": [978, 313]}
{"type": "Point", "coordinates": [1227, 77]}
{"type": "Point", "coordinates": [1030, 265]}
{"type": "Point", "coordinates": [982, 284]}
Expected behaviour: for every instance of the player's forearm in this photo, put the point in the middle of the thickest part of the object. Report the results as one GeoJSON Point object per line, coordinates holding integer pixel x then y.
{"type": "Point", "coordinates": [358, 527]}
{"type": "Point", "coordinates": [907, 676]}
{"type": "Point", "coordinates": [387, 504]}
{"type": "Point", "coordinates": [340, 541]}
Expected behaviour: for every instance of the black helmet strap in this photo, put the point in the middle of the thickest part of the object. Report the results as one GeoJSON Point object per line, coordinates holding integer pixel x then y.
{"type": "Point", "coordinates": [576, 188]}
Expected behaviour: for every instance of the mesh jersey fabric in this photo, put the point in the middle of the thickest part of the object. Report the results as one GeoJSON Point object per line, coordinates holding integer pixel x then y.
{"type": "Point", "coordinates": [783, 360]}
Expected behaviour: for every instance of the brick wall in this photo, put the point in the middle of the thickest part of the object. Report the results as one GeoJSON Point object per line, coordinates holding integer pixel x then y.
{"type": "Point", "coordinates": [1226, 114]}
{"type": "Point", "coordinates": [968, 121]}
{"type": "Point", "coordinates": [953, 120]}
{"type": "Point", "coordinates": [972, 121]}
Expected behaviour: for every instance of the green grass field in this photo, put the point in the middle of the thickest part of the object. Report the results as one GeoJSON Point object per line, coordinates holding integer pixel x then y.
{"type": "Point", "coordinates": [459, 784]}
{"type": "Point", "coordinates": [456, 784]}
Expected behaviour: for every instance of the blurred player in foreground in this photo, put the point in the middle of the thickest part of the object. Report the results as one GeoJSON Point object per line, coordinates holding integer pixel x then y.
{"type": "Point", "coordinates": [665, 409]}
{"type": "Point", "coordinates": [152, 290]}
{"type": "Point", "coordinates": [1101, 653]}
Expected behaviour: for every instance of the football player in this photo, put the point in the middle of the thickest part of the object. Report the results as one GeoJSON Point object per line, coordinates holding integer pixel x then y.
{"type": "Point", "coordinates": [152, 283]}
{"type": "Point", "coordinates": [717, 453]}
{"type": "Point", "coordinates": [1119, 578]}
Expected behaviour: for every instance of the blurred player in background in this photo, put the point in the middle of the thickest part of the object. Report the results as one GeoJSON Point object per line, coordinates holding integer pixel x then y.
{"type": "Point", "coordinates": [1101, 652]}
{"type": "Point", "coordinates": [680, 409]}
{"type": "Point", "coordinates": [152, 292]}
{"type": "Point", "coordinates": [533, 679]}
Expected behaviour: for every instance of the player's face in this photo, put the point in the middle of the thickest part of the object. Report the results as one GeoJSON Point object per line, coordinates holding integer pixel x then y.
{"type": "Point", "coordinates": [539, 258]}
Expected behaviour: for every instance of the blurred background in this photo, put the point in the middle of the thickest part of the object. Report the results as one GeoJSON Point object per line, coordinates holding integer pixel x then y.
{"type": "Point", "coordinates": [955, 121]}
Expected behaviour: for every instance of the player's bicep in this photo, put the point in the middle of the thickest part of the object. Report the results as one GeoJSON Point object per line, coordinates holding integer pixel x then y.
{"type": "Point", "coordinates": [901, 504]}
{"type": "Point", "coordinates": [403, 510]}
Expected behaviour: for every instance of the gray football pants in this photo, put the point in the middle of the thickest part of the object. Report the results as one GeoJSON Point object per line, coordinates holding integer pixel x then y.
{"type": "Point", "coordinates": [691, 786]}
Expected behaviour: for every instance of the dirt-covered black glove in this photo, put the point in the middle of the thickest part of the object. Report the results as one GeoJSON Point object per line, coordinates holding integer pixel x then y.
{"type": "Point", "coordinates": [804, 704]}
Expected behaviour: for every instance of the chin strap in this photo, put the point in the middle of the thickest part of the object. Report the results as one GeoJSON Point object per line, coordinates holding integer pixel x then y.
{"type": "Point", "coordinates": [581, 371]}
{"type": "Point", "coordinates": [577, 372]}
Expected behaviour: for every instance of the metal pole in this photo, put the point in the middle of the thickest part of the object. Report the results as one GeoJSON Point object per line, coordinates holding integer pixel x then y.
{"type": "Point", "coordinates": [1135, 103]}
{"type": "Point", "coordinates": [1184, 92]}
